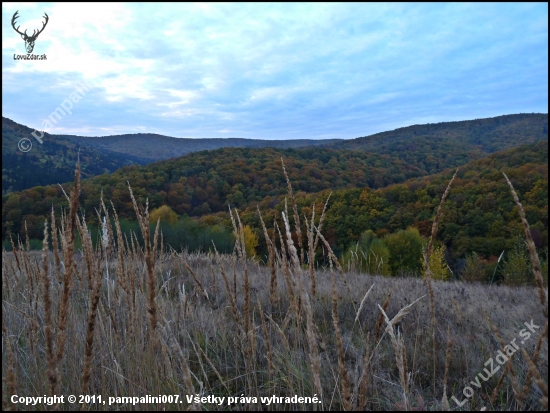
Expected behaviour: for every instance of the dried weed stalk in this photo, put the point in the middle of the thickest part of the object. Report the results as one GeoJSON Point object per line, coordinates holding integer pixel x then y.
{"type": "Point", "coordinates": [296, 216]}
{"type": "Point", "coordinates": [150, 257]}
{"type": "Point", "coordinates": [428, 273]}
{"type": "Point", "coordinates": [70, 266]}
{"type": "Point", "coordinates": [532, 251]}
{"type": "Point", "coordinates": [271, 251]}
{"type": "Point", "coordinates": [344, 379]}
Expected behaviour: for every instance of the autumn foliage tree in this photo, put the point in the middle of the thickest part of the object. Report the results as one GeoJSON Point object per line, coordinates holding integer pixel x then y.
{"type": "Point", "coordinates": [165, 213]}
{"type": "Point", "coordinates": [251, 240]}
{"type": "Point", "coordinates": [438, 265]}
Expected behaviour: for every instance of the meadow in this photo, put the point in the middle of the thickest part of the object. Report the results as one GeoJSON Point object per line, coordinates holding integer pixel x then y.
{"type": "Point", "coordinates": [131, 317]}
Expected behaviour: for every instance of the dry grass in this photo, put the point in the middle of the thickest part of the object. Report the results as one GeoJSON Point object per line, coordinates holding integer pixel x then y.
{"type": "Point", "coordinates": [134, 320]}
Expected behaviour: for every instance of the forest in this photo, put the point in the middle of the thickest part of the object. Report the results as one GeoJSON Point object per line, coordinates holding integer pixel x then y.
{"type": "Point", "coordinates": [208, 181]}
{"type": "Point", "coordinates": [429, 148]}
{"type": "Point", "coordinates": [369, 192]}
{"type": "Point", "coordinates": [54, 160]}
{"type": "Point", "coordinates": [487, 135]}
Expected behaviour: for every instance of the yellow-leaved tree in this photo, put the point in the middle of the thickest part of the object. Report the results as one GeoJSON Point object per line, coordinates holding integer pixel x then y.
{"type": "Point", "coordinates": [250, 241]}
{"type": "Point", "coordinates": [438, 265]}
{"type": "Point", "coordinates": [165, 213]}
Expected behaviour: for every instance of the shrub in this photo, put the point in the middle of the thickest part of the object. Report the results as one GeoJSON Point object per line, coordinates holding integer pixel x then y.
{"type": "Point", "coordinates": [477, 269]}
{"type": "Point", "coordinates": [516, 268]}
{"type": "Point", "coordinates": [405, 249]}
{"type": "Point", "coordinates": [369, 255]}
{"type": "Point", "coordinates": [250, 241]}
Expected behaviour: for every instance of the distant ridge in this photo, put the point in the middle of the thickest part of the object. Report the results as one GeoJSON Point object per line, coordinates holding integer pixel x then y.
{"type": "Point", "coordinates": [454, 143]}
{"type": "Point", "coordinates": [54, 161]}
{"type": "Point", "coordinates": [156, 147]}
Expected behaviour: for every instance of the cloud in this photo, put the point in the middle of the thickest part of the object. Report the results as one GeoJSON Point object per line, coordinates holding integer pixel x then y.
{"type": "Point", "coordinates": [275, 71]}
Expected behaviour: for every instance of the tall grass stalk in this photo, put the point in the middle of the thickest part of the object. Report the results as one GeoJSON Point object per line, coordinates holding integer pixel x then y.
{"type": "Point", "coordinates": [150, 256]}
{"type": "Point", "coordinates": [296, 215]}
{"type": "Point", "coordinates": [428, 273]}
{"type": "Point", "coordinates": [70, 266]}
{"type": "Point", "coordinates": [344, 379]}
{"type": "Point", "coordinates": [271, 251]}
{"type": "Point", "coordinates": [532, 251]}
{"type": "Point", "coordinates": [315, 360]}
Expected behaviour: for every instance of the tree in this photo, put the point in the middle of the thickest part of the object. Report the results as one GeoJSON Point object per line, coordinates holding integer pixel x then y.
{"type": "Point", "coordinates": [165, 213]}
{"type": "Point", "coordinates": [475, 268]}
{"type": "Point", "coordinates": [250, 241]}
{"type": "Point", "coordinates": [405, 249]}
{"type": "Point", "coordinates": [438, 265]}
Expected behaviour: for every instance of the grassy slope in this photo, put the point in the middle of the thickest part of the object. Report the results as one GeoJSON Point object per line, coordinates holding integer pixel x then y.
{"type": "Point", "coordinates": [205, 339]}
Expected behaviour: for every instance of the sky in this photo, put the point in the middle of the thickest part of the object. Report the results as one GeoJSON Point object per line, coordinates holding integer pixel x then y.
{"type": "Point", "coordinates": [271, 71]}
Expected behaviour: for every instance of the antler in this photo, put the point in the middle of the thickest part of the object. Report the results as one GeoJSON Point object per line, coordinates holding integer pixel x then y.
{"type": "Point", "coordinates": [15, 16]}
{"type": "Point", "coordinates": [43, 26]}
{"type": "Point", "coordinates": [34, 34]}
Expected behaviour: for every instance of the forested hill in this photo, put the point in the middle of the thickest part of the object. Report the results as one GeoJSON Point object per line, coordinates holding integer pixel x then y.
{"type": "Point", "coordinates": [54, 160]}
{"type": "Point", "coordinates": [158, 147]}
{"type": "Point", "coordinates": [434, 147]}
{"type": "Point", "coordinates": [479, 215]}
{"type": "Point", "coordinates": [428, 148]}
{"type": "Point", "coordinates": [207, 181]}
{"type": "Point", "coordinates": [51, 162]}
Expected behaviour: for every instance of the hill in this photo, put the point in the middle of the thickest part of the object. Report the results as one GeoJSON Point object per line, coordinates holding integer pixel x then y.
{"type": "Point", "coordinates": [434, 147]}
{"type": "Point", "coordinates": [53, 161]}
{"type": "Point", "coordinates": [155, 147]}
{"type": "Point", "coordinates": [430, 148]}
{"type": "Point", "coordinates": [479, 215]}
{"type": "Point", "coordinates": [207, 181]}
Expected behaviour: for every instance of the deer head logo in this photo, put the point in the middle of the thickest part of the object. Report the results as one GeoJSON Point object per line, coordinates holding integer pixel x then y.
{"type": "Point", "coordinates": [29, 40]}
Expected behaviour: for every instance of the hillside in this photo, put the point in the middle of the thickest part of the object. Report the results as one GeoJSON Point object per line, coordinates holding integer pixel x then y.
{"type": "Point", "coordinates": [53, 161]}
{"type": "Point", "coordinates": [435, 147]}
{"type": "Point", "coordinates": [479, 214]}
{"type": "Point", "coordinates": [428, 148]}
{"type": "Point", "coordinates": [207, 181]}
